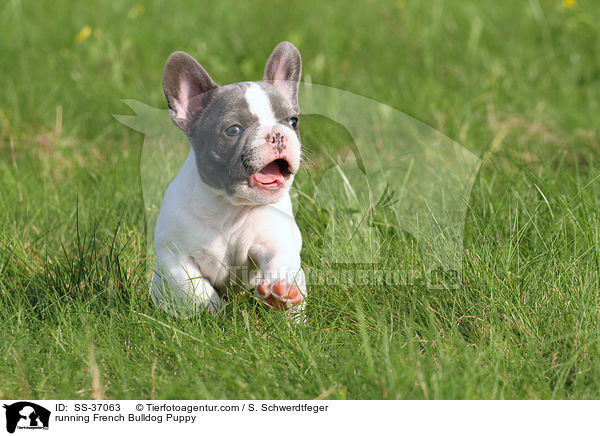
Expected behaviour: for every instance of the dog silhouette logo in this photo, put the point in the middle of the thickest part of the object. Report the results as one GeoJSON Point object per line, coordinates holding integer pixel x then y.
{"type": "Point", "coordinates": [26, 415]}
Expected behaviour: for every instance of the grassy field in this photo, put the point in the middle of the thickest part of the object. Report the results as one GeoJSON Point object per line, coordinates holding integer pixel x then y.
{"type": "Point", "coordinates": [515, 82]}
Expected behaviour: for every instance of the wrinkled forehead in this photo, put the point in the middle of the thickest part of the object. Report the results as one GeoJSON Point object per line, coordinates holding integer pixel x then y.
{"type": "Point", "coordinates": [279, 107]}
{"type": "Point", "coordinates": [249, 102]}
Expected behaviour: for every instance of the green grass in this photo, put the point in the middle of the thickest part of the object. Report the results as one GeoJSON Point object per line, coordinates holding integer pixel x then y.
{"type": "Point", "coordinates": [517, 83]}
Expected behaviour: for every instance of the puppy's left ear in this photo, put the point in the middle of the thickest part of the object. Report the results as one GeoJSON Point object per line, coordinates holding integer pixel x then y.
{"type": "Point", "coordinates": [186, 84]}
{"type": "Point", "coordinates": [283, 70]}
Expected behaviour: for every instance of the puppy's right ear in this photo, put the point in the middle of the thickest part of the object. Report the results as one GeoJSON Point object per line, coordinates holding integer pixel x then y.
{"type": "Point", "coordinates": [185, 83]}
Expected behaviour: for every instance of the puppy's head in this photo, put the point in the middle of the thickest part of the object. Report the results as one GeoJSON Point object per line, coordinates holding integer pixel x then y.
{"type": "Point", "coordinates": [245, 135]}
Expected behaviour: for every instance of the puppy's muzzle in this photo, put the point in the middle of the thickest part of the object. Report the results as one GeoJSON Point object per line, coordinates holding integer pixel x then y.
{"type": "Point", "coordinates": [278, 141]}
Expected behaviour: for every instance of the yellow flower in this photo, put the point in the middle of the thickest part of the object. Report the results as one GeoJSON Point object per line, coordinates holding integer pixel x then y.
{"type": "Point", "coordinates": [400, 4]}
{"type": "Point", "coordinates": [136, 11]}
{"type": "Point", "coordinates": [569, 3]}
{"type": "Point", "coordinates": [83, 34]}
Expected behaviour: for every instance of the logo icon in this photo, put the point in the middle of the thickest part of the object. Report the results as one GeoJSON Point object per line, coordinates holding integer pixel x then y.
{"type": "Point", "coordinates": [26, 415]}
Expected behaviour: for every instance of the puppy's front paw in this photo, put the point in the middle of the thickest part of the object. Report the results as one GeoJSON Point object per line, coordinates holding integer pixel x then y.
{"type": "Point", "coordinates": [280, 295]}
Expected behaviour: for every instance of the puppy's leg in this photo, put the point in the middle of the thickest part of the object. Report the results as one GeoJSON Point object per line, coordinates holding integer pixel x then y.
{"type": "Point", "coordinates": [283, 284]}
{"type": "Point", "coordinates": [297, 312]}
{"type": "Point", "coordinates": [180, 288]}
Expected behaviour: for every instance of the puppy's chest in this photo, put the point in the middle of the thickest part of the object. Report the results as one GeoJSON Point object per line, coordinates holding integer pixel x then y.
{"type": "Point", "coordinates": [220, 250]}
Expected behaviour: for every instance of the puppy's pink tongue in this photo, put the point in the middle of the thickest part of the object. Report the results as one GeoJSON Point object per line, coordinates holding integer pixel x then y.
{"type": "Point", "coordinates": [269, 174]}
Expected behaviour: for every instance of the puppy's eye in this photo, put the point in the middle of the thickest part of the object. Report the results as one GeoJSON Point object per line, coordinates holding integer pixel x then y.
{"type": "Point", "coordinates": [234, 130]}
{"type": "Point", "coordinates": [293, 122]}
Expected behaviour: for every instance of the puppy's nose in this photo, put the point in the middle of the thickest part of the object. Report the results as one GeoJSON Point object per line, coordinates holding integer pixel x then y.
{"type": "Point", "coordinates": [277, 140]}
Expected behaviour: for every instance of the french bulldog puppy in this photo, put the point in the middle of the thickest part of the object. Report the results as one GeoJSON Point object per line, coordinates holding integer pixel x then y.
{"type": "Point", "coordinates": [227, 216]}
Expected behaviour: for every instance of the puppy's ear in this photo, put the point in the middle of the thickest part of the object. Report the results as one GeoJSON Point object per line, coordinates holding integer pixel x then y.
{"type": "Point", "coordinates": [283, 70]}
{"type": "Point", "coordinates": [185, 83]}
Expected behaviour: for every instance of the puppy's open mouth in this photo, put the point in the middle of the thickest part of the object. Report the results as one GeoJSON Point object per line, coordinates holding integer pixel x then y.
{"type": "Point", "coordinates": [273, 175]}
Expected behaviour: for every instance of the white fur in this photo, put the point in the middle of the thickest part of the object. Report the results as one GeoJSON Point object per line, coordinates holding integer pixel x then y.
{"type": "Point", "coordinates": [260, 105]}
{"type": "Point", "coordinates": [201, 237]}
